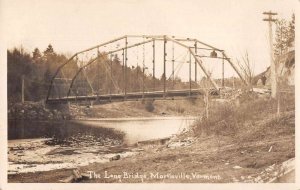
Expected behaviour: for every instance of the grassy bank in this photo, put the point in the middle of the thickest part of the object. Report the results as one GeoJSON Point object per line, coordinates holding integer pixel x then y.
{"type": "Point", "coordinates": [147, 108]}
{"type": "Point", "coordinates": [241, 141]}
{"type": "Point", "coordinates": [247, 117]}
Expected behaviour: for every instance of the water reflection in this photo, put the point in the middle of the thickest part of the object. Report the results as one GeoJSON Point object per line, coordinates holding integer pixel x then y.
{"type": "Point", "coordinates": [28, 129]}
{"type": "Point", "coordinates": [144, 129]}
{"type": "Point", "coordinates": [135, 129]}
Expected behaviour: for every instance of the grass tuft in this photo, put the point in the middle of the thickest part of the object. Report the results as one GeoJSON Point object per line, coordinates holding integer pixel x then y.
{"type": "Point", "coordinates": [251, 116]}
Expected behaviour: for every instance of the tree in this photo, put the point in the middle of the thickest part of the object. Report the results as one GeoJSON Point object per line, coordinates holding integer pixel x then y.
{"type": "Point", "coordinates": [281, 37]}
{"type": "Point", "coordinates": [207, 94]}
{"type": "Point", "coordinates": [291, 31]}
{"type": "Point", "coordinates": [285, 38]}
{"type": "Point", "coordinates": [49, 51]}
{"type": "Point", "coordinates": [116, 59]}
{"type": "Point", "coordinates": [36, 54]}
{"type": "Point", "coordinates": [246, 67]}
{"type": "Point", "coordinates": [284, 35]}
{"type": "Point", "coordinates": [163, 77]}
{"type": "Point", "coordinates": [19, 64]}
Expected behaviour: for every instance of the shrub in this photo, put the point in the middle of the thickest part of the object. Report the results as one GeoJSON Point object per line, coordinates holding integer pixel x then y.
{"type": "Point", "coordinates": [149, 106]}
{"type": "Point", "coordinates": [230, 119]}
{"type": "Point", "coordinates": [221, 122]}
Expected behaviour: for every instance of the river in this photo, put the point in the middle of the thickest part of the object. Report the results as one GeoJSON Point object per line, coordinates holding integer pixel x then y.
{"type": "Point", "coordinates": [48, 145]}
{"type": "Point", "coordinates": [135, 129]}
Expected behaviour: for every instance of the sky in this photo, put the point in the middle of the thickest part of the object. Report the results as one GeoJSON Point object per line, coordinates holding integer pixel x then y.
{"type": "Point", "coordinates": [73, 25]}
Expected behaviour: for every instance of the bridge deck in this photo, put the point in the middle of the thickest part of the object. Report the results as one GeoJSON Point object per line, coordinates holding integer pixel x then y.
{"type": "Point", "coordinates": [132, 96]}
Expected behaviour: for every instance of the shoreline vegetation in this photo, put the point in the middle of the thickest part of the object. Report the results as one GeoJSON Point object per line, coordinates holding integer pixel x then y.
{"type": "Point", "coordinates": [242, 141]}
{"type": "Point", "coordinates": [123, 110]}
{"type": "Point", "coordinates": [241, 136]}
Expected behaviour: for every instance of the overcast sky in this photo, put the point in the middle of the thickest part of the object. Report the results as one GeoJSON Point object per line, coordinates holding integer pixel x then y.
{"type": "Point", "coordinates": [72, 25]}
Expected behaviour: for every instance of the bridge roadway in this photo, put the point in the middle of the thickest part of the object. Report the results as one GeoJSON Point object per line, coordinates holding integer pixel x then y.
{"type": "Point", "coordinates": [133, 96]}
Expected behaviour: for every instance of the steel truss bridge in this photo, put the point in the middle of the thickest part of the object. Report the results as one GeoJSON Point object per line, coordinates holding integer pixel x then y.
{"type": "Point", "coordinates": [75, 74]}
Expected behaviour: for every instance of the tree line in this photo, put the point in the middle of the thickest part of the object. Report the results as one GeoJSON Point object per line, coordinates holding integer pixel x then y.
{"type": "Point", "coordinates": [284, 35]}
{"type": "Point", "coordinates": [37, 69]}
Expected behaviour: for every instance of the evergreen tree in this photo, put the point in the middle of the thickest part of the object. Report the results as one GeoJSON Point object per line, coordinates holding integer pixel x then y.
{"type": "Point", "coordinates": [291, 32]}
{"type": "Point", "coordinates": [19, 64]}
{"type": "Point", "coordinates": [36, 54]}
{"type": "Point", "coordinates": [281, 37]}
{"type": "Point", "coordinates": [47, 76]}
{"type": "Point", "coordinates": [49, 51]}
{"type": "Point", "coordinates": [116, 59]}
{"type": "Point", "coordinates": [284, 35]}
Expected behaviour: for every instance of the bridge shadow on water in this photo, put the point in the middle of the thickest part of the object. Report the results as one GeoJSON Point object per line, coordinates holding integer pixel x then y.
{"type": "Point", "coordinates": [63, 132]}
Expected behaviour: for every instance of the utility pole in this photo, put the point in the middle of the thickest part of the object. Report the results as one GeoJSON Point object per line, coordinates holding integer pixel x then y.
{"type": "Point", "coordinates": [270, 19]}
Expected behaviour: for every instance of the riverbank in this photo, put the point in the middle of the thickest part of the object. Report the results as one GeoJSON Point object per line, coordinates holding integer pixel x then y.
{"type": "Point", "coordinates": [252, 146]}
{"type": "Point", "coordinates": [136, 109]}
{"type": "Point", "coordinates": [139, 109]}
{"type": "Point", "coordinates": [214, 161]}
{"type": "Point", "coordinates": [69, 144]}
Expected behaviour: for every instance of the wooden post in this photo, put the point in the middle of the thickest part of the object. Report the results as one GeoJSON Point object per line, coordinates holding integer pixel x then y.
{"type": "Point", "coordinates": [195, 63]}
{"type": "Point", "coordinates": [23, 88]}
{"type": "Point", "coordinates": [143, 81]}
{"type": "Point", "coordinates": [278, 103]}
{"type": "Point", "coordinates": [223, 72]}
{"type": "Point", "coordinates": [207, 103]}
{"type": "Point", "coordinates": [190, 74]}
{"type": "Point", "coordinates": [233, 85]}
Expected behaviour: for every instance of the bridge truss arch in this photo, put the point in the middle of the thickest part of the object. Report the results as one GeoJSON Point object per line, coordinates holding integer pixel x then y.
{"type": "Point", "coordinates": [62, 85]}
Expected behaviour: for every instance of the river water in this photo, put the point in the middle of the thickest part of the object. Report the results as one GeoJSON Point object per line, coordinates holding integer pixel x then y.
{"type": "Point", "coordinates": [43, 146]}
{"type": "Point", "coordinates": [135, 129]}
{"type": "Point", "coordinates": [142, 129]}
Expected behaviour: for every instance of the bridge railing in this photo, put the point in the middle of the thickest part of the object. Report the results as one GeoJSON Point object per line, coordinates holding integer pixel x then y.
{"type": "Point", "coordinates": [70, 88]}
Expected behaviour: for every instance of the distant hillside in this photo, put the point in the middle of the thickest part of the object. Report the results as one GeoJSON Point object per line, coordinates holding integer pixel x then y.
{"type": "Point", "coordinates": [285, 68]}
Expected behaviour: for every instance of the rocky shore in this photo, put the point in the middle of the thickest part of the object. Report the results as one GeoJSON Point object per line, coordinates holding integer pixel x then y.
{"type": "Point", "coordinates": [35, 111]}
